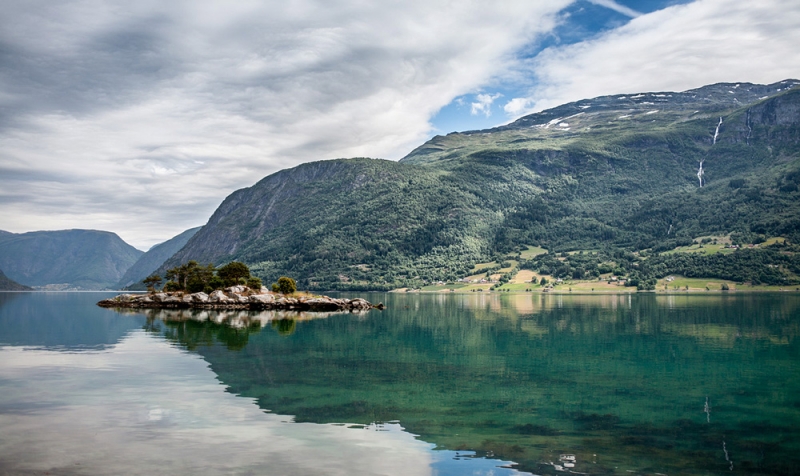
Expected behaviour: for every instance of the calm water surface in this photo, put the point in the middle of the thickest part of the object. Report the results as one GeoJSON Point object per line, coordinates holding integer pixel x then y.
{"type": "Point", "coordinates": [435, 384]}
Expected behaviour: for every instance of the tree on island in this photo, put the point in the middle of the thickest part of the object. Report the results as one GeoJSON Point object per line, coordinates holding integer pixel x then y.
{"type": "Point", "coordinates": [285, 285]}
{"type": "Point", "coordinates": [234, 273]}
{"type": "Point", "coordinates": [152, 282]}
{"type": "Point", "coordinates": [193, 277]}
{"type": "Point", "coordinates": [190, 277]}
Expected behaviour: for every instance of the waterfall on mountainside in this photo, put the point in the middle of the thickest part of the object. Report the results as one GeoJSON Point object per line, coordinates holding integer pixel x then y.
{"type": "Point", "coordinates": [716, 132]}
{"type": "Point", "coordinates": [700, 172]}
{"type": "Point", "coordinates": [749, 128]}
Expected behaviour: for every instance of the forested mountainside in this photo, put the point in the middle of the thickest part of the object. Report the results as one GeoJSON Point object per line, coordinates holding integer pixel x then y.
{"type": "Point", "coordinates": [11, 285]}
{"type": "Point", "coordinates": [152, 259]}
{"type": "Point", "coordinates": [626, 173]}
{"type": "Point", "coordinates": [66, 259]}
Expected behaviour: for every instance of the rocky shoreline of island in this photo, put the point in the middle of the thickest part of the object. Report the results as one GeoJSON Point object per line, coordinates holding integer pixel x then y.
{"type": "Point", "coordinates": [238, 297]}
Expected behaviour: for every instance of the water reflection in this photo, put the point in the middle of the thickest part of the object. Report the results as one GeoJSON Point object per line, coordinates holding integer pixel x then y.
{"type": "Point", "coordinates": [594, 384]}
{"type": "Point", "coordinates": [65, 321]}
{"type": "Point", "coordinates": [144, 407]}
{"type": "Point", "coordinates": [616, 381]}
{"type": "Point", "coordinates": [129, 402]}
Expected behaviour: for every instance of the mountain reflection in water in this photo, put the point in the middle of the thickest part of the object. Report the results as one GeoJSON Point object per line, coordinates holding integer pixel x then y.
{"type": "Point", "coordinates": [139, 404]}
{"type": "Point", "coordinates": [618, 381]}
{"type": "Point", "coordinates": [704, 384]}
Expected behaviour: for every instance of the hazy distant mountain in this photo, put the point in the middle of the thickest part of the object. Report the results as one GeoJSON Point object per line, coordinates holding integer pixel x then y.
{"type": "Point", "coordinates": [66, 259]}
{"type": "Point", "coordinates": [152, 259]}
{"type": "Point", "coordinates": [630, 172]}
{"type": "Point", "coordinates": [11, 285]}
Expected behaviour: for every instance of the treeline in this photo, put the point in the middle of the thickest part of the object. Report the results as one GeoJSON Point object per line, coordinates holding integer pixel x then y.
{"type": "Point", "coordinates": [755, 266]}
{"type": "Point", "coordinates": [771, 266]}
{"type": "Point", "coordinates": [193, 277]}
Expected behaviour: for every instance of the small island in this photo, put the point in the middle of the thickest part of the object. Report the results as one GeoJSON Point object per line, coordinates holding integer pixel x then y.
{"type": "Point", "coordinates": [192, 286]}
{"type": "Point", "coordinates": [237, 297]}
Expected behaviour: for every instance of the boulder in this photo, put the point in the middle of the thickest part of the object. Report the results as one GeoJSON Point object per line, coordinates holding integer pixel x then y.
{"type": "Point", "coordinates": [262, 298]}
{"type": "Point", "coordinates": [200, 297]}
{"type": "Point", "coordinates": [218, 297]}
{"type": "Point", "coordinates": [322, 304]}
{"type": "Point", "coordinates": [359, 303]}
{"type": "Point", "coordinates": [159, 297]}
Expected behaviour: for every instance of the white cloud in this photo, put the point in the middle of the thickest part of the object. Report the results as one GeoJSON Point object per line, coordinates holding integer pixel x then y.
{"type": "Point", "coordinates": [517, 106]}
{"type": "Point", "coordinates": [140, 117]}
{"type": "Point", "coordinates": [484, 104]}
{"type": "Point", "coordinates": [674, 49]}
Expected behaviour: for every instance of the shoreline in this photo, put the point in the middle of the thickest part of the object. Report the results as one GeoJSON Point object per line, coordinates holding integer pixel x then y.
{"type": "Point", "coordinates": [607, 293]}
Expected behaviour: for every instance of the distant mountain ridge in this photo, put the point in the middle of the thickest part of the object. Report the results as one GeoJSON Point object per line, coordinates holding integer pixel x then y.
{"type": "Point", "coordinates": [152, 259]}
{"type": "Point", "coordinates": [66, 259]}
{"type": "Point", "coordinates": [634, 172]}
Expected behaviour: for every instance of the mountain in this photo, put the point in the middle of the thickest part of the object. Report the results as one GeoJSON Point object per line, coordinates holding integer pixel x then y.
{"type": "Point", "coordinates": [66, 259]}
{"type": "Point", "coordinates": [642, 172]}
{"type": "Point", "coordinates": [152, 259]}
{"type": "Point", "coordinates": [10, 285]}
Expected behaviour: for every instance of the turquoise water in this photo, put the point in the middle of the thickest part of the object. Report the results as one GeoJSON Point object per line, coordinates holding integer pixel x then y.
{"type": "Point", "coordinates": [435, 384]}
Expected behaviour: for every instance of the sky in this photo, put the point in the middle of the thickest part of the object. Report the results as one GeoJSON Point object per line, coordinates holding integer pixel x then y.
{"type": "Point", "coordinates": [141, 117]}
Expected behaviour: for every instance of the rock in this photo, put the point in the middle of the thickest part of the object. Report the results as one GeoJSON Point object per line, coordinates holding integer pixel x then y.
{"type": "Point", "coordinates": [262, 298]}
{"type": "Point", "coordinates": [200, 297]}
{"type": "Point", "coordinates": [322, 304]}
{"type": "Point", "coordinates": [187, 298]}
{"type": "Point", "coordinates": [126, 297]}
{"type": "Point", "coordinates": [159, 297]}
{"type": "Point", "coordinates": [359, 303]}
{"type": "Point", "coordinates": [218, 296]}
{"type": "Point", "coordinates": [236, 289]}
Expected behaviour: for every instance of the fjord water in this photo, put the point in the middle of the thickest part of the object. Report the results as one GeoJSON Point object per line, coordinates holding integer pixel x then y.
{"type": "Point", "coordinates": [435, 384]}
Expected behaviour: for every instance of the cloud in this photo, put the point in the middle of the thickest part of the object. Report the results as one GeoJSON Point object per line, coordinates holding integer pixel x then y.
{"type": "Point", "coordinates": [484, 104]}
{"type": "Point", "coordinates": [622, 9]}
{"type": "Point", "coordinates": [517, 106]}
{"type": "Point", "coordinates": [140, 117]}
{"type": "Point", "coordinates": [674, 49]}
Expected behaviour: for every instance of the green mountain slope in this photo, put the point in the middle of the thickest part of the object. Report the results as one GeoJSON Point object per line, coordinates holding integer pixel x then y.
{"type": "Point", "coordinates": [69, 259]}
{"type": "Point", "coordinates": [616, 171]}
{"type": "Point", "coordinates": [152, 259]}
{"type": "Point", "coordinates": [11, 285]}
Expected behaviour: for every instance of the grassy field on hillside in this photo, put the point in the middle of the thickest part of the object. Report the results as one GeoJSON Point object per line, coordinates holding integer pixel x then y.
{"type": "Point", "coordinates": [532, 252]}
